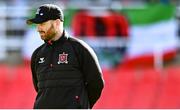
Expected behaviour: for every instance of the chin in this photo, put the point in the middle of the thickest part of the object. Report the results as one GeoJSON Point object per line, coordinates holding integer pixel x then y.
{"type": "Point", "coordinates": [43, 38]}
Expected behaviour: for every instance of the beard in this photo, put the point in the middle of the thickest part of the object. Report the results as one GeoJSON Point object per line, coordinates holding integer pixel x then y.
{"type": "Point", "coordinates": [49, 34]}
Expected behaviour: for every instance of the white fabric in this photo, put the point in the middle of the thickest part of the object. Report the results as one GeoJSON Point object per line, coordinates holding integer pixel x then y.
{"type": "Point", "coordinates": [149, 39]}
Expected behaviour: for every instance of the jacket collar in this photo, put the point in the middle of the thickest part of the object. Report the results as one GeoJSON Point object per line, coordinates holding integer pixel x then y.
{"type": "Point", "coordinates": [63, 38]}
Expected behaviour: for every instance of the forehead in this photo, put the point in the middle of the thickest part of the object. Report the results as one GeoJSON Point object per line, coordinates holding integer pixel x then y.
{"type": "Point", "coordinates": [49, 22]}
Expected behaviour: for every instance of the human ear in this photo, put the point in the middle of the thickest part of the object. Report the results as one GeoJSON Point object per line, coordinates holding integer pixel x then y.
{"type": "Point", "coordinates": [57, 22]}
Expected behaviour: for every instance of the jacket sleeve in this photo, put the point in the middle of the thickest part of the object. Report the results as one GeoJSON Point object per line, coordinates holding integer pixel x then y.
{"type": "Point", "coordinates": [92, 73]}
{"type": "Point", "coordinates": [33, 69]}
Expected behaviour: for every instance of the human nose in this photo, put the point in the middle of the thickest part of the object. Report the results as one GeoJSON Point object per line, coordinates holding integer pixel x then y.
{"type": "Point", "coordinates": [39, 28]}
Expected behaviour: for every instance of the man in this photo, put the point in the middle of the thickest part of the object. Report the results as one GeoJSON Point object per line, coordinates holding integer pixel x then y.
{"type": "Point", "coordinates": [65, 70]}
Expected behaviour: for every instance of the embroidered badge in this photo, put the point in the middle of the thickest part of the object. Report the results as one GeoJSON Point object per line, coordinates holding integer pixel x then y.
{"type": "Point", "coordinates": [62, 58]}
{"type": "Point", "coordinates": [41, 60]}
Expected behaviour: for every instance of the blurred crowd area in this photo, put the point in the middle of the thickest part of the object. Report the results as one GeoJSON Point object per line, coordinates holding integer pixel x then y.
{"type": "Point", "coordinates": [123, 33]}
{"type": "Point", "coordinates": [113, 43]}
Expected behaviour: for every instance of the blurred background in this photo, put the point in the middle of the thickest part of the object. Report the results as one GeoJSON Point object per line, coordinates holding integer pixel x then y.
{"type": "Point", "coordinates": [137, 43]}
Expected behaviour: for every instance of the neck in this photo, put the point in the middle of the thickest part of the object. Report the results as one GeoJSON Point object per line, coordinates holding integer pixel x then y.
{"type": "Point", "coordinates": [57, 35]}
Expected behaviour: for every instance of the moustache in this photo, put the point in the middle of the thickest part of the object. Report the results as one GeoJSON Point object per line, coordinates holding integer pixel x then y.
{"type": "Point", "coordinates": [41, 31]}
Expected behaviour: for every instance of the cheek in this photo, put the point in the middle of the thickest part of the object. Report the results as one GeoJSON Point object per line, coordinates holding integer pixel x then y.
{"type": "Point", "coordinates": [45, 29]}
{"type": "Point", "coordinates": [48, 31]}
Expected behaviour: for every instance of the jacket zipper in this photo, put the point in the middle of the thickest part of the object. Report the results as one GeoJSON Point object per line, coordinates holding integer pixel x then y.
{"type": "Point", "coordinates": [51, 56]}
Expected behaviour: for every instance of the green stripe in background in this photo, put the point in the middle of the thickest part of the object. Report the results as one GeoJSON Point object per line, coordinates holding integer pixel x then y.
{"type": "Point", "coordinates": [151, 13]}
{"type": "Point", "coordinates": [68, 16]}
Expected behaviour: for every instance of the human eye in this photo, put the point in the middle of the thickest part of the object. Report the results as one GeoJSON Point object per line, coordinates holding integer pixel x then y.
{"type": "Point", "coordinates": [42, 24]}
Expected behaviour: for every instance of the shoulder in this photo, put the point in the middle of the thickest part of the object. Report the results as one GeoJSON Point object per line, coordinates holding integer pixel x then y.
{"type": "Point", "coordinates": [79, 43]}
{"type": "Point", "coordinates": [36, 51]}
{"type": "Point", "coordinates": [82, 46]}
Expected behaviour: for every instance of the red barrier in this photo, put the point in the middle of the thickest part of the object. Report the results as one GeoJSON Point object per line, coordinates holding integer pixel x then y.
{"type": "Point", "coordinates": [124, 88]}
{"type": "Point", "coordinates": [139, 89]}
{"type": "Point", "coordinates": [16, 89]}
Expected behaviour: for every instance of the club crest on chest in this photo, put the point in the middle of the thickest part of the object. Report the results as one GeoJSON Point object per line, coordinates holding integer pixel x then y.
{"type": "Point", "coordinates": [63, 58]}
